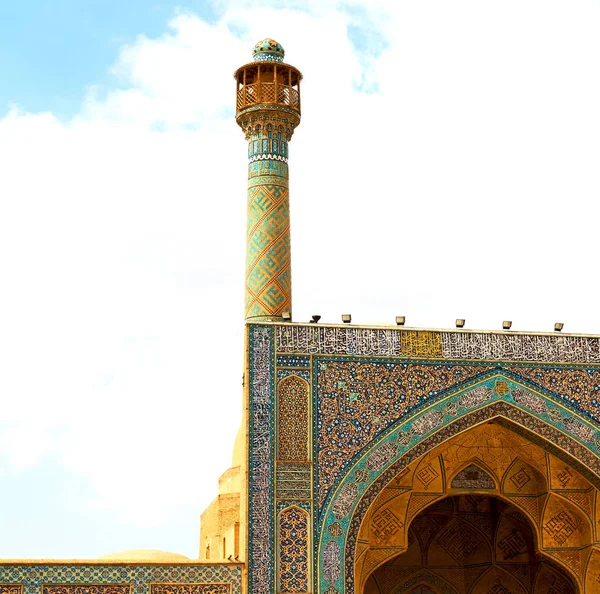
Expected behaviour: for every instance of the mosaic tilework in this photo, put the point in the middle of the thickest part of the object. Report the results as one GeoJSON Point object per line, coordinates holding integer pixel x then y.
{"type": "Point", "coordinates": [271, 146]}
{"type": "Point", "coordinates": [268, 50]}
{"type": "Point", "coordinates": [190, 589]}
{"type": "Point", "coordinates": [350, 491]}
{"type": "Point", "coordinates": [293, 550]}
{"type": "Point", "coordinates": [293, 361]}
{"type": "Point", "coordinates": [316, 339]}
{"type": "Point", "coordinates": [580, 386]}
{"type": "Point", "coordinates": [517, 347]}
{"type": "Point", "coordinates": [91, 589]}
{"type": "Point", "coordinates": [293, 480]}
{"type": "Point", "coordinates": [359, 400]}
{"type": "Point", "coordinates": [292, 415]}
{"type": "Point", "coordinates": [117, 578]}
{"type": "Point", "coordinates": [393, 342]}
{"type": "Point", "coordinates": [301, 373]}
{"type": "Point", "coordinates": [268, 171]}
{"type": "Point", "coordinates": [268, 264]}
{"type": "Point", "coordinates": [403, 384]}
{"type": "Point", "coordinates": [261, 461]}
{"type": "Point", "coordinates": [305, 505]}
{"type": "Point", "coordinates": [293, 470]}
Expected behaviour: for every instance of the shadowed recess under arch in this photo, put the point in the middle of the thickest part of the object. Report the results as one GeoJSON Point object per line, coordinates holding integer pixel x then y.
{"type": "Point", "coordinates": [465, 543]}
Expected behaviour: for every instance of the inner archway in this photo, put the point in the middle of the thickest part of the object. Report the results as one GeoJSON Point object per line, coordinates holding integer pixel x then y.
{"type": "Point", "coordinates": [470, 544]}
{"type": "Point", "coordinates": [497, 463]}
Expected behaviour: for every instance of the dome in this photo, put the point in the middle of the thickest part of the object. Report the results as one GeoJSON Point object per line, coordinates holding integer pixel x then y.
{"type": "Point", "coordinates": [268, 50]}
{"type": "Point", "coordinates": [145, 555]}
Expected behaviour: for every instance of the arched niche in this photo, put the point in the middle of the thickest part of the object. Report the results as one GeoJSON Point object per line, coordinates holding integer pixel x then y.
{"type": "Point", "coordinates": [293, 550]}
{"type": "Point", "coordinates": [481, 453]}
{"type": "Point", "coordinates": [533, 439]}
{"type": "Point", "coordinates": [292, 420]}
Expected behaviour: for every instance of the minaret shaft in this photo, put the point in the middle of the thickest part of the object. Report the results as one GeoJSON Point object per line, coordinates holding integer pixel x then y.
{"type": "Point", "coordinates": [268, 103]}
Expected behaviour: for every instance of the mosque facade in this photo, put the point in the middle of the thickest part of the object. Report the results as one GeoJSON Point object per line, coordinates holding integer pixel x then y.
{"type": "Point", "coordinates": [376, 460]}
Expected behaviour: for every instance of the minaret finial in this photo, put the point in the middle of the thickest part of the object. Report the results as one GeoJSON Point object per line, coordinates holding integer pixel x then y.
{"type": "Point", "coordinates": [268, 111]}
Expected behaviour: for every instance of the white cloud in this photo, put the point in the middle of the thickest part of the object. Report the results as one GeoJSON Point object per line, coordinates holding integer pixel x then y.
{"type": "Point", "coordinates": [183, 78]}
{"type": "Point", "coordinates": [466, 186]}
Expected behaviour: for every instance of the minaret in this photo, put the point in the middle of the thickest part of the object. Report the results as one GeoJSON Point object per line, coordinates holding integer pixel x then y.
{"type": "Point", "coordinates": [268, 111]}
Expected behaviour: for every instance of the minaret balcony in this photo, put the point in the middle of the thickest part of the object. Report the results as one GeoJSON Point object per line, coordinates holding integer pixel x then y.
{"type": "Point", "coordinates": [267, 93]}
{"type": "Point", "coordinates": [268, 83]}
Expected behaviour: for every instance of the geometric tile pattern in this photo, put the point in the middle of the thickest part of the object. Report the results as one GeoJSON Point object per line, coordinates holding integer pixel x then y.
{"type": "Point", "coordinates": [121, 578]}
{"type": "Point", "coordinates": [87, 589]}
{"type": "Point", "coordinates": [268, 261]}
{"type": "Point", "coordinates": [268, 130]}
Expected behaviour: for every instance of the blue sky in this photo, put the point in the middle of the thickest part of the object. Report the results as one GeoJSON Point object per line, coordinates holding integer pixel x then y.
{"type": "Point", "coordinates": [50, 52]}
{"type": "Point", "coordinates": [446, 166]}
{"type": "Point", "coordinates": [42, 515]}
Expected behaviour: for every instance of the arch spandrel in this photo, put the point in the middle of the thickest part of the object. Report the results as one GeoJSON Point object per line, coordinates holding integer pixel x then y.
{"type": "Point", "coordinates": [547, 427]}
{"type": "Point", "coordinates": [494, 388]}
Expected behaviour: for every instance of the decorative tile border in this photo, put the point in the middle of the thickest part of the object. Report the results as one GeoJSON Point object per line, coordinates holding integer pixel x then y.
{"type": "Point", "coordinates": [190, 589]}
{"type": "Point", "coordinates": [391, 342]}
{"type": "Point", "coordinates": [261, 461]}
{"type": "Point", "coordinates": [117, 578]}
{"type": "Point", "coordinates": [87, 589]}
